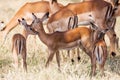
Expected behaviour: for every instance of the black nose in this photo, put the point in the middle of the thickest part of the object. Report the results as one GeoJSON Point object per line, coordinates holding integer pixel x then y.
{"type": "Point", "coordinates": [31, 29]}
{"type": "Point", "coordinates": [2, 21]}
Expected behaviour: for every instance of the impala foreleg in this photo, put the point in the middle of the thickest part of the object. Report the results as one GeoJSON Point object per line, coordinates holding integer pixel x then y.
{"type": "Point", "coordinates": [58, 59]}
{"type": "Point", "coordinates": [51, 55]}
{"type": "Point", "coordinates": [75, 52]}
{"type": "Point", "coordinates": [117, 42]}
{"type": "Point", "coordinates": [78, 54]}
{"type": "Point", "coordinates": [72, 55]}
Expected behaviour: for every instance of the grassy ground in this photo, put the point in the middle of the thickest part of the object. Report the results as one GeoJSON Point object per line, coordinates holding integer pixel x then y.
{"type": "Point", "coordinates": [36, 66]}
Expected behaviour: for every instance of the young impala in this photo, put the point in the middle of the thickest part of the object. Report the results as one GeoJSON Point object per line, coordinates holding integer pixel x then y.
{"type": "Point", "coordinates": [19, 45]}
{"type": "Point", "coordinates": [19, 48]}
{"type": "Point", "coordinates": [80, 36]}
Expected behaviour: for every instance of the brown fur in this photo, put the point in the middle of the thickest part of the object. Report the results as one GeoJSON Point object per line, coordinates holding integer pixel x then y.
{"type": "Point", "coordinates": [95, 8]}
{"type": "Point", "coordinates": [69, 39]}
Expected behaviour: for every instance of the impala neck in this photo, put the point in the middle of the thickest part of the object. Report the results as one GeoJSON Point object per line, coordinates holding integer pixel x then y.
{"type": "Point", "coordinates": [42, 35]}
{"type": "Point", "coordinates": [24, 33]}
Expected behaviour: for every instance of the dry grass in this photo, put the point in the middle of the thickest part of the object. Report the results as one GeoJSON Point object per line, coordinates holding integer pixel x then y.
{"type": "Point", "coordinates": [36, 66]}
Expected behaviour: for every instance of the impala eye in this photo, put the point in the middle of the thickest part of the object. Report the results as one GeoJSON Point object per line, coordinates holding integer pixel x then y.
{"type": "Point", "coordinates": [31, 28]}
{"type": "Point", "coordinates": [34, 30]}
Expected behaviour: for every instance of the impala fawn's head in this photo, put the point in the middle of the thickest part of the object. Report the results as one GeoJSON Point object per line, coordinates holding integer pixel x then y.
{"type": "Point", "coordinates": [37, 23]}
{"type": "Point", "coordinates": [27, 27]}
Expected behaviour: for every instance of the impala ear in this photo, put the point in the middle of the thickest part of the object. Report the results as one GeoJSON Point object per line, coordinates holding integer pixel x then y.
{"type": "Point", "coordinates": [23, 19]}
{"type": "Point", "coordinates": [45, 16]}
{"type": "Point", "coordinates": [54, 1]}
{"type": "Point", "coordinates": [19, 21]}
{"type": "Point", "coordinates": [116, 2]}
{"type": "Point", "coordinates": [22, 22]}
{"type": "Point", "coordinates": [34, 16]}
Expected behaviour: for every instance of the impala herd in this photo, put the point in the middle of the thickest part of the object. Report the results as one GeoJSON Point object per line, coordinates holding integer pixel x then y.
{"type": "Point", "coordinates": [67, 29]}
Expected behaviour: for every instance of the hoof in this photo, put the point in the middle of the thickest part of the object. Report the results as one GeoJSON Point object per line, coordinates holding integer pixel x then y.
{"type": "Point", "coordinates": [78, 58]}
{"type": "Point", "coordinates": [72, 60]}
{"type": "Point", "coordinates": [113, 54]}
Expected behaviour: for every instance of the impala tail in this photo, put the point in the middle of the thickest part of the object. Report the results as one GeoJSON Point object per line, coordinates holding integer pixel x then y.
{"type": "Point", "coordinates": [98, 52]}
{"type": "Point", "coordinates": [99, 49]}
{"type": "Point", "coordinates": [19, 47]}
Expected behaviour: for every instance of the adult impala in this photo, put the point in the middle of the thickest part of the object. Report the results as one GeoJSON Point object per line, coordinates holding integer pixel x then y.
{"type": "Point", "coordinates": [112, 22]}
{"type": "Point", "coordinates": [39, 8]}
{"type": "Point", "coordinates": [92, 11]}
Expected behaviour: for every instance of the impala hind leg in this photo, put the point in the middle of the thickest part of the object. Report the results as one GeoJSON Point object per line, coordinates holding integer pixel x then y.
{"type": "Point", "coordinates": [72, 56]}
{"type": "Point", "coordinates": [104, 57]}
{"type": "Point", "coordinates": [101, 66]}
{"type": "Point", "coordinates": [34, 46]}
{"type": "Point", "coordinates": [78, 54]}
{"type": "Point", "coordinates": [75, 52]}
{"type": "Point", "coordinates": [24, 64]}
{"type": "Point", "coordinates": [93, 66]}
{"type": "Point", "coordinates": [63, 57]}
{"type": "Point", "coordinates": [117, 42]}
{"type": "Point", "coordinates": [58, 59]}
{"type": "Point", "coordinates": [15, 57]}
